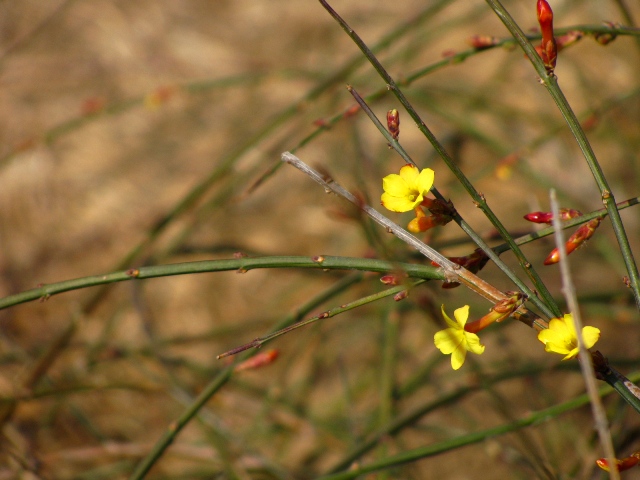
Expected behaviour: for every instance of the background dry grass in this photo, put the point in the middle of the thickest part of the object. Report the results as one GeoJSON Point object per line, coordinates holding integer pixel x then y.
{"type": "Point", "coordinates": [113, 111]}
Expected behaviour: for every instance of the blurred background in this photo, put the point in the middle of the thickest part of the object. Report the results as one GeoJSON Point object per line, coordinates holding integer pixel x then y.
{"type": "Point", "coordinates": [149, 132]}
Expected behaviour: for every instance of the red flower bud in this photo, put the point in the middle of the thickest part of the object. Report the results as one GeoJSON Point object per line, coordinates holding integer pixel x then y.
{"type": "Point", "coordinates": [401, 295]}
{"type": "Point", "coordinates": [548, 45]}
{"type": "Point", "coordinates": [546, 217]}
{"type": "Point", "coordinates": [606, 38]}
{"type": "Point", "coordinates": [498, 312]}
{"type": "Point", "coordinates": [257, 361]}
{"type": "Point", "coordinates": [584, 233]}
{"type": "Point", "coordinates": [393, 123]}
{"type": "Point", "coordinates": [473, 262]}
{"type": "Point", "coordinates": [482, 41]}
{"type": "Point", "coordinates": [622, 465]}
{"type": "Point", "coordinates": [392, 279]}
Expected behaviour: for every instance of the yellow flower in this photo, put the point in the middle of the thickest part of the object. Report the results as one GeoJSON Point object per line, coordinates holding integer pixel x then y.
{"type": "Point", "coordinates": [455, 340]}
{"type": "Point", "coordinates": [561, 337]}
{"type": "Point", "coordinates": [405, 191]}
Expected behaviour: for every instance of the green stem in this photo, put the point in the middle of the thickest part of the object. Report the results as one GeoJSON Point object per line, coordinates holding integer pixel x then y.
{"type": "Point", "coordinates": [241, 265]}
{"type": "Point", "coordinates": [259, 342]}
{"type": "Point", "coordinates": [546, 303]}
{"type": "Point", "coordinates": [224, 376]}
{"type": "Point", "coordinates": [550, 81]}
{"type": "Point", "coordinates": [463, 440]}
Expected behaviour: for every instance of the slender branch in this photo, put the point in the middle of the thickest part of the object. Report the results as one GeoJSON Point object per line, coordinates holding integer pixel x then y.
{"type": "Point", "coordinates": [550, 82]}
{"type": "Point", "coordinates": [225, 375]}
{"type": "Point", "coordinates": [477, 239]}
{"type": "Point", "coordinates": [258, 342]}
{"type": "Point", "coordinates": [546, 302]}
{"type": "Point", "coordinates": [452, 271]}
{"type": "Point", "coordinates": [534, 418]}
{"type": "Point", "coordinates": [242, 265]}
{"type": "Point", "coordinates": [586, 364]}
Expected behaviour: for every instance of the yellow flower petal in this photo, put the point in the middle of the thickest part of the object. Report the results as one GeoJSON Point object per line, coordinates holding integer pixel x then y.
{"type": "Point", "coordinates": [458, 357]}
{"type": "Point", "coordinates": [448, 340]}
{"type": "Point", "coordinates": [462, 314]}
{"type": "Point", "coordinates": [409, 173]}
{"type": "Point", "coordinates": [395, 185]}
{"type": "Point", "coordinates": [406, 190]}
{"type": "Point", "coordinates": [590, 335]}
{"type": "Point", "coordinates": [473, 343]}
{"type": "Point", "coordinates": [561, 337]}
{"type": "Point", "coordinates": [455, 340]}
{"type": "Point", "coordinates": [453, 325]}
{"type": "Point", "coordinates": [424, 182]}
{"type": "Point", "coordinates": [396, 204]}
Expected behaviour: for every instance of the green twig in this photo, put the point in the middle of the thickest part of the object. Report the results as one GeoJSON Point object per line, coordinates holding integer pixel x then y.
{"type": "Point", "coordinates": [225, 375]}
{"type": "Point", "coordinates": [241, 265]}
{"type": "Point", "coordinates": [550, 81]}
{"type": "Point", "coordinates": [546, 303]}
{"type": "Point", "coordinates": [469, 439]}
{"type": "Point", "coordinates": [259, 342]}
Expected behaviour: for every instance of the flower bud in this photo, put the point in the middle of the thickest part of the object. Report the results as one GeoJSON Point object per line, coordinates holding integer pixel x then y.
{"type": "Point", "coordinates": [473, 262]}
{"type": "Point", "coordinates": [401, 295]}
{"type": "Point", "coordinates": [584, 233]}
{"type": "Point", "coordinates": [606, 38]}
{"type": "Point", "coordinates": [622, 465]}
{"type": "Point", "coordinates": [393, 279]}
{"type": "Point", "coordinates": [481, 42]}
{"type": "Point", "coordinates": [393, 123]}
{"type": "Point", "coordinates": [548, 45]}
{"type": "Point", "coordinates": [546, 217]}
{"type": "Point", "coordinates": [499, 312]}
{"type": "Point", "coordinates": [257, 361]}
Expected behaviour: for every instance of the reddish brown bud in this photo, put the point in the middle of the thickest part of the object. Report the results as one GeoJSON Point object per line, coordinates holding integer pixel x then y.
{"type": "Point", "coordinates": [392, 279]}
{"type": "Point", "coordinates": [584, 233]}
{"type": "Point", "coordinates": [422, 224]}
{"type": "Point", "coordinates": [546, 217]}
{"type": "Point", "coordinates": [621, 465]}
{"type": "Point", "coordinates": [351, 111]}
{"type": "Point", "coordinates": [568, 39]}
{"type": "Point", "coordinates": [548, 45]}
{"type": "Point", "coordinates": [92, 106]}
{"type": "Point", "coordinates": [257, 361]}
{"type": "Point", "coordinates": [498, 312]}
{"type": "Point", "coordinates": [608, 37]}
{"type": "Point", "coordinates": [401, 295]}
{"type": "Point", "coordinates": [439, 207]}
{"type": "Point", "coordinates": [482, 41]}
{"type": "Point", "coordinates": [393, 123]}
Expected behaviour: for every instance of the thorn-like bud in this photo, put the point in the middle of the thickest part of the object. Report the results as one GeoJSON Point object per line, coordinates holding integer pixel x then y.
{"type": "Point", "coordinates": [546, 217]}
{"type": "Point", "coordinates": [606, 38]}
{"type": "Point", "coordinates": [621, 465]}
{"type": "Point", "coordinates": [393, 123]}
{"type": "Point", "coordinates": [548, 45]}
{"type": "Point", "coordinates": [480, 42]}
{"type": "Point", "coordinates": [584, 233]}
{"type": "Point", "coordinates": [351, 111]}
{"type": "Point", "coordinates": [473, 262]}
{"type": "Point", "coordinates": [401, 295]}
{"type": "Point", "coordinates": [393, 279]}
{"type": "Point", "coordinates": [498, 312]}
{"type": "Point", "coordinates": [258, 361]}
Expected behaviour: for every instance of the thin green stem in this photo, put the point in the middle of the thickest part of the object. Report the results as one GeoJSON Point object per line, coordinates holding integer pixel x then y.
{"type": "Point", "coordinates": [546, 303]}
{"type": "Point", "coordinates": [241, 265]}
{"type": "Point", "coordinates": [469, 439]}
{"type": "Point", "coordinates": [550, 81]}
{"type": "Point", "coordinates": [225, 375]}
{"type": "Point", "coordinates": [453, 272]}
{"type": "Point", "coordinates": [259, 342]}
{"type": "Point", "coordinates": [395, 144]}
